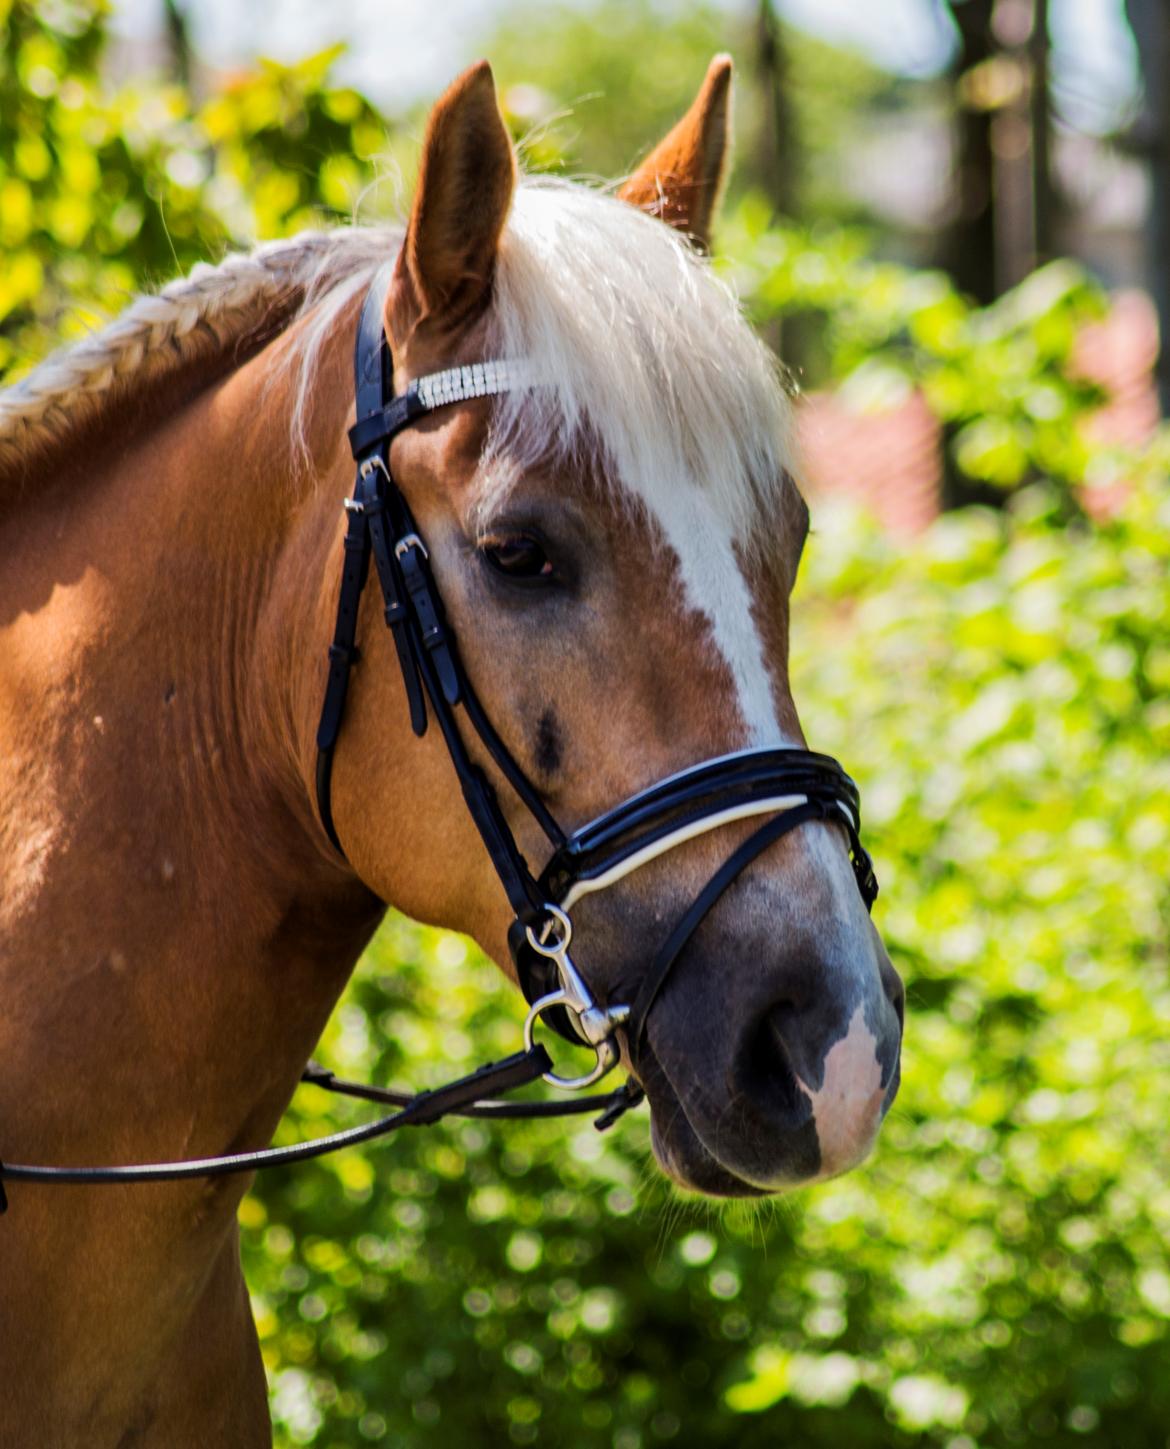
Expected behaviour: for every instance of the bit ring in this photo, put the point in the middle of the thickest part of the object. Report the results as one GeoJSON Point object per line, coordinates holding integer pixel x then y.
{"type": "Point", "coordinates": [541, 944]}
{"type": "Point", "coordinates": [606, 1052]}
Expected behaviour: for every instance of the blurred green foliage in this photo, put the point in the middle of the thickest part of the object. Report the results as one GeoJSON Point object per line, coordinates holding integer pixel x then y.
{"type": "Point", "coordinates": [592, 88]}
{"type": "Point", "coordinates": [104, 191]}
{"type": "Point", "coordinates": [1003, 377]}
{"type": "Point", "coordinates": [999, 1274]}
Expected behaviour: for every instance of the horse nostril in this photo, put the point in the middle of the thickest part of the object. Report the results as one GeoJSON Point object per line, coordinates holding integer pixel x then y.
{"type": "Point", "coordinates": [766, 1070]}
{"type": "Point", "coordinates": [895, 991]}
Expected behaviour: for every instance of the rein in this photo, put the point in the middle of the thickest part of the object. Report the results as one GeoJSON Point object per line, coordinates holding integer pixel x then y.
{"type": "Point", "coordinates": [788, 786]}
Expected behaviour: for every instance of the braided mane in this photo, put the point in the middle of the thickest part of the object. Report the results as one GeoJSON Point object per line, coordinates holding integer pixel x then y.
{"type": "Point", "coordinates": [192, 320]}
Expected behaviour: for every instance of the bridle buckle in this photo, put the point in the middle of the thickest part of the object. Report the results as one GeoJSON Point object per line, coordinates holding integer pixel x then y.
{"type": "Point", "coordinates": [371, 465]}
{"type": "Point", "coordinates": [594, 1024]}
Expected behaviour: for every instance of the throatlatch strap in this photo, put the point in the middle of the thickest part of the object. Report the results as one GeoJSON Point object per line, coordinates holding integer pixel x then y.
{"type": "Point", "coordinates": [343, 655]}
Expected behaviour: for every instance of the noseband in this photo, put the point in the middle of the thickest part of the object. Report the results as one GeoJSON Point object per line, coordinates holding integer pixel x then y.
{"type": "Point", "coordinates": [787, 786]}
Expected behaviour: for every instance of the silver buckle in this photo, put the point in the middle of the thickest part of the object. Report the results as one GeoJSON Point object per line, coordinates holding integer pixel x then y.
{"type": "Point", "coordinates": [407, 541]}
{"type": "Point", "coordinates": [368, 466]}
{"type": "Point", "coordinates": [594, 1024]}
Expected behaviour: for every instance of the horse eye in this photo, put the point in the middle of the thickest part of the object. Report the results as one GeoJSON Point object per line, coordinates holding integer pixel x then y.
{"type": "Point", "coordinates": [518, 557]}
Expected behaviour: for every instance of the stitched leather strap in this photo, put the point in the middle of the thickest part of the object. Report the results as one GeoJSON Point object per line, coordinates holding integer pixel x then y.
{"type": "Point", "coordinates": [428, 614]}
{"type": "Point", "coordinates": [343, 655]}
{"type": "Point", "coordinates": [674, 945]}
{"type": "Point", "coordinates": [396, 612]}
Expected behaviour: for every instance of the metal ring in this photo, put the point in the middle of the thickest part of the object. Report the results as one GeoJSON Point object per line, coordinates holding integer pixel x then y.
{"type": "Point", "coordinates": [540, 944]}
{"type": "Point", "coordinates": [605, 1050]}
{"type": "Point", "coordinates": [408, 541]}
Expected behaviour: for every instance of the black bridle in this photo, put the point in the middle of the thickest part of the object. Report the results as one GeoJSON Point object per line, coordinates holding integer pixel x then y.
{"type": "Point", "coordinates": [786, 786]}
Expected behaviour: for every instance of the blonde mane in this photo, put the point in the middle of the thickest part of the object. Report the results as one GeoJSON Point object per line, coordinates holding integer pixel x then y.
{"type": "Point", "coordinates": [638, 348]}
{"type": "Point", "coordinates": [641, 349]}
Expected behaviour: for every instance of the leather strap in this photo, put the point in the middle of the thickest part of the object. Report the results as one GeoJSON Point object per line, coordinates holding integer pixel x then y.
{"type": "Point", "coordinates": [674, 945]}
{"type": "Point", "coordinates": [373, 377]}
{"type": "Point", "coordinates": [396, 612]}
{"type": "Point", "coordinates": [384, 422]}
{"type": "Point", "coordinates": [380, 522]}
{"type": "Point", "coordinates": [504, 1076]}
{"type": "Point", "coordinates": [428, 615]}
{"type": "Point", "coordinates": [343, 655]}
{"type": "Point", "coordinates": [610, 1104]}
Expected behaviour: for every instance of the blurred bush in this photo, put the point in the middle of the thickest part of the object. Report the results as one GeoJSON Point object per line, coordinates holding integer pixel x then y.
{"type": "Point", "coordinates": [999, 1274]}
{"type": "Point", "coordinates": [104, 192]}
{"type": "Point", "coordinates": [1001, 378]}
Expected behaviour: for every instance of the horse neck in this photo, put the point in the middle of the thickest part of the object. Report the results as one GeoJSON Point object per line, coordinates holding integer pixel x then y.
{"type": "Point", "coordinates": [171, 895]}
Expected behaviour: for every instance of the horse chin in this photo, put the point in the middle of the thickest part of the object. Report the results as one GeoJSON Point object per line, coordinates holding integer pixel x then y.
{"type": "Point", "coordinates": [681, 1152]}
{"type": "Point", "coordinates": [683, 1158]}
{"type": "Point", "coordinates": [690, 1156]}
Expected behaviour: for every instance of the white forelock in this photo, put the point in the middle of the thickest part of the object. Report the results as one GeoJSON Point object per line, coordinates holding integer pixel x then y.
{"type": "Point", "coordinates": [640, 349]}
{"type": "Point", "coordinates": [644, 357]}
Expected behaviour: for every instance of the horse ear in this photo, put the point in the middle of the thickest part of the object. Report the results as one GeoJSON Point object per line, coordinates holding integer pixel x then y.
{"type": "Point", "coordinates": [465, 185]}
{"type": "Point", "coordinates": [681, 178]}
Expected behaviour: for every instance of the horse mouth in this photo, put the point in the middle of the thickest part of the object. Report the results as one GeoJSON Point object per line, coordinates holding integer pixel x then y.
{"type": "Point", "coordinates": [683, 1158]}
{"type": "Point", "coordinates": [681, 1152]}
{"type": "Point", "coordinates": [714, 1153]}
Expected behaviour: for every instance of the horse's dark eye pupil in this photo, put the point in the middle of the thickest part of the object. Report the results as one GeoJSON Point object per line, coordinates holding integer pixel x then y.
{"type": "Point", "coordinates": [518, 558]}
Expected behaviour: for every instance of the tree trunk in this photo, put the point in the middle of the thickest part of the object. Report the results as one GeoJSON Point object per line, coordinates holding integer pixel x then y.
{"type": "Point", "coordinates": [969, 245]}
{"type": "Point", "coordinates": [178, 41]}
{"type": "Point", "coordinates": [1020, 137]}
{"type": "Point", "coordinates": [1150, 20]}
{"type": "Point", "coordinates": [1044, 202]}
{"type": "Point", "coordinates": [776, 157]}
{"type": "Point", "coordinates": [776, 163]}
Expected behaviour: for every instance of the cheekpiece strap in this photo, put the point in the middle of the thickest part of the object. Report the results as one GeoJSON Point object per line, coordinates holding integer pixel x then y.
{"type": "Point", "coordinates": [380, 524]}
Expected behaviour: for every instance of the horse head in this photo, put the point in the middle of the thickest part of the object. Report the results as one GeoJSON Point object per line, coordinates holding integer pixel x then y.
{"type": "Point", "coordinates": [615, 539]}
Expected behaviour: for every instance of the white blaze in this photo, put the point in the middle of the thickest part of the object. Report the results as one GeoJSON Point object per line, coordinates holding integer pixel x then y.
{"type": "Point", "coordinates": [714, 585]}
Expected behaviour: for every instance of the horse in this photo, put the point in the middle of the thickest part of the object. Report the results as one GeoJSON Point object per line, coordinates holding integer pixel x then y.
{"type": "Point", "coordinates": [615, 545]}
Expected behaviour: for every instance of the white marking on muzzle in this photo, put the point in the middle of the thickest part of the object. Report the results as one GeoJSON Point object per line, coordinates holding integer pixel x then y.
{"type": "Point", "coordinates": [847, 1109]}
